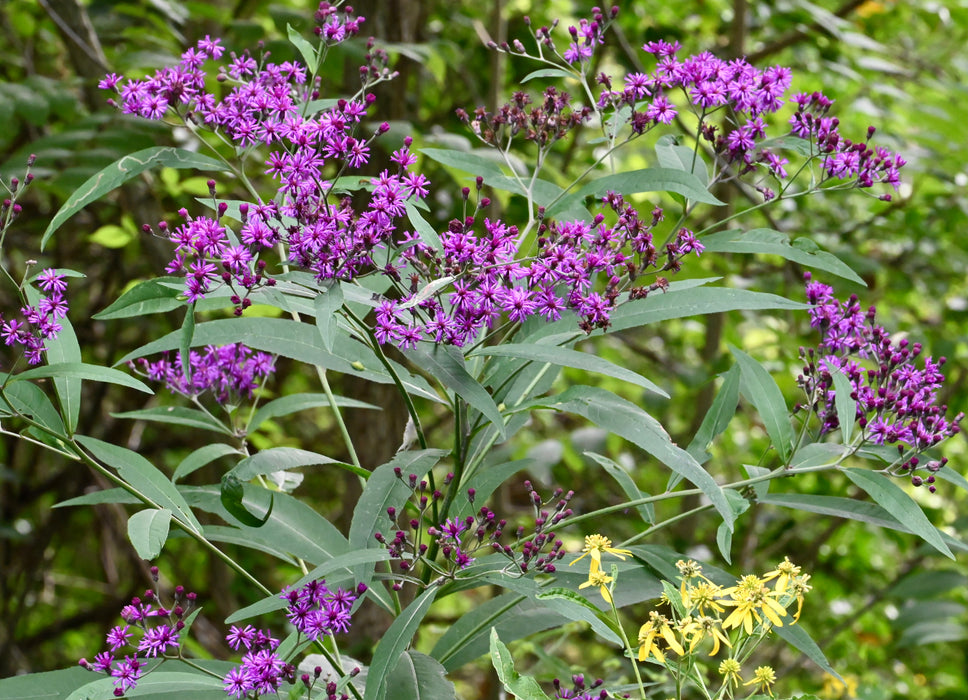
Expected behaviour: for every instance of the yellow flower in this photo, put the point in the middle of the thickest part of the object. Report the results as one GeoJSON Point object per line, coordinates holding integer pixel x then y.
{"type": "Point", "coordinates": [833, 687]}
{"type": "Point", "coordinates": [799, 588]}
{"type": "Point", "coordinates": [783, 573]}
{"type": "Point", "coordinates": [729, 669]}
{"type": "Point", "coordinates": [601, 579]}
{"type": "Point", "coordinates": [701, 596]}
{"type": "Point", "coordinates": [751, 597]}
{"type": "Point", "coordinates": [709, 627]}
{"type": "Point", "coordinates": [649, 634]}
{"type": "Point", "coordinates": [763, 677]}
{"type": "Point", "coordinates": [594, 546]}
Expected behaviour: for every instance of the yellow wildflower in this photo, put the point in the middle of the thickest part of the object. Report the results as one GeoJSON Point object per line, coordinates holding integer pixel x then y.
{"type": "Point", "coordinates": [729, 669]}
{"type": "Point", "coordinates": [710, 627]}
{"type": "Point", "coordinates": [834, 688]}
{"type": "Point", "coordinates": [649, 634]}
{"type": "Point", "coordinates": [783, 573]}
{"type": "Point", "coordinates": [601, 579]}
{"type": "Point", "coordinates": [700, 596]}
{"type": "Point", "coordinates": [594, 546]}
{"type": "Point", "coordinates": [751, 597]}
{"type": "Point", "coordinates": [799, 588]}
{"type": "Point", "coordinates": [763, 678]}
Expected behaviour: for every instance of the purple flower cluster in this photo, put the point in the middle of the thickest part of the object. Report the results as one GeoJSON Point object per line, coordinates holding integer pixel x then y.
{"type": "Point", "coordinates": [229, 372]}
{"type": "Point", "coordinates": [38, 322]}
{"type": "Point", "coordinates": [896, 393]}
{"type": "Point", "coordinates": [314, 611]}
{"type": "Point", "coordinates": [159, 628]}
{"type": "Point", "coordinates": [579, 689]}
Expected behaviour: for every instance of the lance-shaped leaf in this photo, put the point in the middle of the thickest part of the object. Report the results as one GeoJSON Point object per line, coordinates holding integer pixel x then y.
{"type": "Point", "coordinates": [447, 365]}
{"type": "Point", "coordinates": [144, 477]}
{"type": "Point", "coordinates": [631, 422]}
{"type": "Point", "coordinates": [277, 459]}
{"type": "Point", "coordinates": [718, 416]}
{"type": "Point", "coordinates": [147, 297]}
{"type": "Point", "coordinates": [765, 395]}
{"type": "Point", "coordinates": [895, 501]}
{"type": "Point", "coordinates": [420, 677]}
{"type": "Point", "coordinates": [178, 415]}
{"type": "Point", "coordinates": [122, 170]}
{"type": "Point", "coordinates": [771, 242]}
{"type": "Point", "coordinates": [522, 687]}
{"type": "Point", "coordinates": [81, 370]}
{"type": "Point", "coordinates": [393, 644]}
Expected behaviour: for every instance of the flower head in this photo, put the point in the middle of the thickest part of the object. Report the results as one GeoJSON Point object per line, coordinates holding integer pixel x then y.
{"type": "Point", "coordinates": [594, 546]}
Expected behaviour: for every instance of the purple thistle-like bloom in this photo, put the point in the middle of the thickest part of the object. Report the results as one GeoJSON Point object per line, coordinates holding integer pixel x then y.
{"type": "Point", "coordinates": [39, 322]}
{"type": "Point", "coordinates": [118, 637]}
{"type": "Point", "coordinates": [157, 640]}
{"type": "Point", "coordinates": [126, 674]}
{"type": "Point", "coordinates": [897, 401]}
{"type": "Point", "coordinates": [238, 682]}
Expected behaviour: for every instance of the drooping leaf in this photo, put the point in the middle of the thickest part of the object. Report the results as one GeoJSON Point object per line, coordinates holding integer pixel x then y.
{"type": "Point", "coordinates": [143, 476]}
{"type": "Point", "coordinates": [771, 242]}
{"type": "Point", "coordinates": [675, 157]}
{"type": "Point", "coordinates": [631, 422]}
{"type": "Point", "coordinates": [122, 170]}
{"type": "Point", "coordinates": [326, 305]}
{"type": "Point", "coordinates": [423, 228]}
{"type": "Point", "coordinates": [765, 395]}
{"type": "Point", "coordinates": [420, 677]}
{"type": "Point", "coordinates": [148, 531]}
{"type": "Point", "coordinates": [895, 501]}
{"type": "Point", "coordinates": [30, 400]}
{"type": "Point", "coordinates": [231, 497]}
{"type": "Point", "coordinates": [846, 406]}
{"type": "Point", "coordinates": [81, 370]}
{"type": "Point", "coordinates": [293, 527]}
{"type": "Point", "coordinates": [522, 687]}
{"type": "Point", "coordinates": [306, 50]}
{"type": "Point", "coordinates": [393, 644]}
{"type": "Point", "coordinates": [547, 73]}
{"type": "Point", "coordinates": [469, 162]}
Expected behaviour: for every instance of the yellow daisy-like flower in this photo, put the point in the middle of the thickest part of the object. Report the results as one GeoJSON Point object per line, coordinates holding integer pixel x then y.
{"type": "Point", "coordinates": [594, 546]}
{"type": "Point", "coordinates": [710, 627]}
{"type": "Point", "coordinates": [651, 632]}
{"type": "Point", "coordinates": [799, 588]}
{"type": "Point", "coordinates": [700, 596]}
{"type": "Point", "coordinates": [751, 597]}
{"type": "Point", "coordinates": [601, 579]}
{"type": "Point", "coordinates": [763, 678]}
{"type": "Point", "coordinates": [729, 669]}
{"type": "Point", "coordinates": [783, 573]}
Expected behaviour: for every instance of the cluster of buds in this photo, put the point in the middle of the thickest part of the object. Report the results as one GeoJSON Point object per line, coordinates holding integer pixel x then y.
{"type": "Point", "coordinates": [544, 124]}
{"type": "Point", "coordinates": [159, 629]}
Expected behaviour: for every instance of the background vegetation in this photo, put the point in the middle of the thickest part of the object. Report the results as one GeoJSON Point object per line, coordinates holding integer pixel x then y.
{"type": "Point", "coordinates": [890, 614]}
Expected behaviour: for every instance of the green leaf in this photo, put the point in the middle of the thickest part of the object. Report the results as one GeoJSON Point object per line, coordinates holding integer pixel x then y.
{"type": "Point", "coordinates": [157, 685]}
{"type": "Point", "coordinates": [277, 459]}
{"type": "Point", "coordinates": [724, 536]}
{"type": "Point", "coordinates": [469, 162]}
{"type": "Point", "coordinates": [202, 456]}
{"type": "Point", "coordinates": [575, 606]}
{"type": "Point", "coordinates": [50, 685]}
{"type": "Point", "coordinates": [771, 242]}
{"type": "Point", "coordinates": [447, 365]}
{"type": "Point", "coordinates": [566, 357]}
{"type": "Point", "coordinates": [116, 495]}
{"type": "Point", "coordinates": [717, 418]}
{"type": "Point", "coordinates": [846, 406]}
{"type": "Point", "coordinates": [185, 341]}
{"type": "Point", "coordinates": [306, 50]}
{"type": "Point", "coordinates": [762, 391]}
{"type": "Point", "coordinates": [895, 501]}
{"type": "Point", "coordinates": [420, 677]}
{"type": "Point", "coordinates": [625, 481]}
{"type": "Point", "coordinates": [694, 301]}
{"type": "Point", "coordinates": [122, 170]}
{"type": "Point", "coordinates": [178, 415]}
{"type": "Point", "coordinates": [285, 405]}
{"type": "Point", "coordinates": [148, 531]}
{"type": "Point", "coordinates": [143, 476]}
{"type": "Point", "coordinates": [484, 482]}
{"type": "Point", "coordinates": [547, 73]}
{"type": "Point", "coordinates": [327, 304]}
{"type": "Point", "coordinates": [30, 400]}
{"type": "Point", "coordinates": [797, 637]}
{"type": "Point", "coordinates": [635, 181]}
{"type": "Point", "coordinates": [676, 157]}
{"type": "Point", "coordinates": [81, 370]}
{"type": "Point", "coordinates": [231, 497]}
{"type": "Point", "coordinates": [522, 687]}
{"type": "Point", "coordinates": [64, 349]}
{"type": "Point", "coordinates": [392, 644]}
{"type": "Point", "coordinates": [631, 422]}
{"type": "Point", "coordinates": [426, 232]}
{"type": "Point", "coordinates": [293, 528]}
